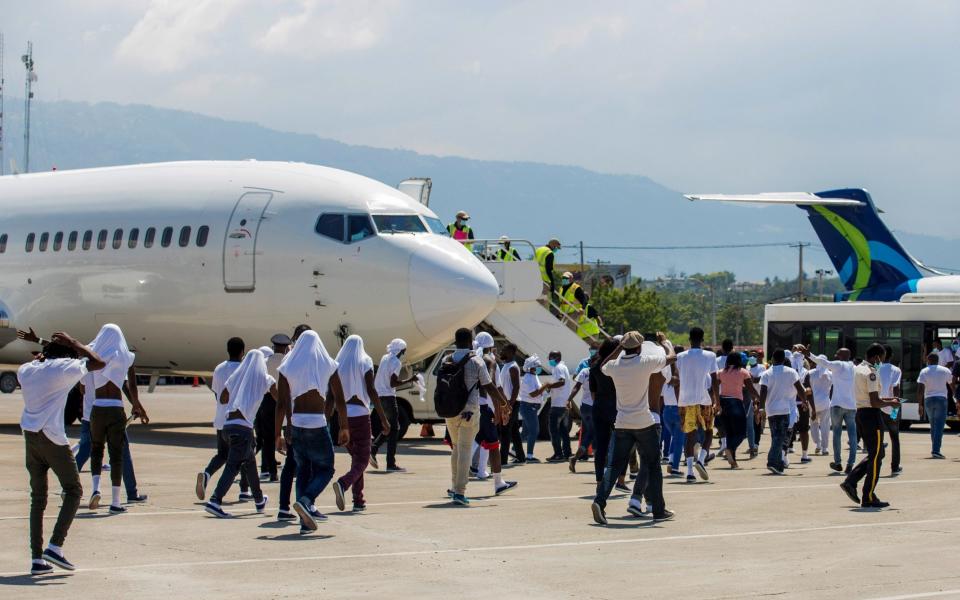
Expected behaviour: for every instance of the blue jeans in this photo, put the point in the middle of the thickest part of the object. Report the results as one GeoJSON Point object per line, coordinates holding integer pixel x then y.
{"type": "Point", "coordinates": [531, 424]}
{"type": "Point", "coordinates": [936, 409]}
{"type": "Point", "coordinates": [559, 435]}
{"type": "Point", "coordinates": [241, 454]}
{"type": "Point", "coordinates": [83, 455]}
{"type": "Point", "coordinates": [779, 426]}
{"type": "Point", "coordinates": [586, 429]}
{"type": "Point", "coordinates": [751, 428]}
{"type": "Point", "coordinates": [313, 450]}
{"type": "Point", "coordinates": [839, 417]}
{"type": "Point", "coordinates": [671, 422]}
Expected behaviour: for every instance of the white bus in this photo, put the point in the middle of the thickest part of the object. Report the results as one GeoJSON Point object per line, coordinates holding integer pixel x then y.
{"type": "Point", "coordinates": [909, 327]}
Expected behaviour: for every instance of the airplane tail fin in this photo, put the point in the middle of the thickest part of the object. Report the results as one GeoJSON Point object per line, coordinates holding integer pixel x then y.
{"type": "Point", "coordinates": [862, 249]}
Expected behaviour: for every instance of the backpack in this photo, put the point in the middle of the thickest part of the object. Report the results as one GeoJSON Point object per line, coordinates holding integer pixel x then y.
{"type": "Point", "coordinates": [451, 393]}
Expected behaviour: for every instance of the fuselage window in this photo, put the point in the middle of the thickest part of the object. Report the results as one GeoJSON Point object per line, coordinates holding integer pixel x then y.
{"type": "Point", "coordinates": [134, 238]}
{"type": "Point", "coordinates": [29, 245]}
{"type": "Point", "coordinates": [202, 234]}
{"type": "Point", "coordinates": [117, 239]}
{"type": "Point", "coordinates": [44, 240]}
{"type": "Point", "coordinates": [102, 239]}
{"type": "Point", "coordinates": [166, 236]}
{"type": "Point", "coordinates": [148, 237]}
{"type": "Point", "coordinates": [184, 240]}
{"type": "Point", "coordinates": [72, 241]}
{"type": "Point", "coordinates": [331, 226]}
{"type": "Point", "coordinates": [3, 243]}
{"type": "Point", "coordinates": [58, 241]}
{"type": "Point", "coordinates": [87, 239]}
{"type": "Point", "coordinates": [358, 228]}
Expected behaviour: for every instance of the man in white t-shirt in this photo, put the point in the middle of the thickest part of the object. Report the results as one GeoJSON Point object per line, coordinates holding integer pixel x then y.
{"type": "Point", "coordinates": [45, 383]}
{"type": "Point", "coordinates": [820, 382]}
{"type": "Point", "coordinates": [779, 389]}
{"type": "Point", "coordinates": [843, 405]}
{"type": "Point", "coordinates": [636, 375]}
{"type": "Point", "coordinates": [559, 393]}
{"type": "Point", "coordinates": [696, 366]}
{"type": "Point", "coordinates": [945, 356]}
{"type": "Point", "coordinates": [934, 386]}
{"type": "Point", "coordinates": [582, 384]}
{"type": "Point", "coordinates": [890, 376]}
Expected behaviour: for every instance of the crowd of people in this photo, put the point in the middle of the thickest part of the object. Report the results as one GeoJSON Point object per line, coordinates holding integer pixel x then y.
{"type": "Point", "coordinates": [646, 406]}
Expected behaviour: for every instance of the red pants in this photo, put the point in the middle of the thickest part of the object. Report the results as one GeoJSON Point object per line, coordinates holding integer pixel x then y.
{"type": "Point", "coordinates": [359, 448]}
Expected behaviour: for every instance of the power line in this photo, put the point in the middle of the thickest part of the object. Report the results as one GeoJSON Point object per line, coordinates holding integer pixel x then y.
{"type": "Point", "coordinates": [699, 247]}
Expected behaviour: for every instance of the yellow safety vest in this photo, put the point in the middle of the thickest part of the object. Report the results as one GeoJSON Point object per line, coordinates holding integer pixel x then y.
{"type": "Point", "coordinates": [541, 255]}
{"type": "Point", "coordinates": [570, 297]}
{"type": "Point", "coordinates": [506, 255]}
{"type": "Point", "coordinates": [587, 327]}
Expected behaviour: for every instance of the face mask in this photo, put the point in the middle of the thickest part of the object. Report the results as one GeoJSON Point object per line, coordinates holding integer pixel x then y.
{"type": "Point", "coordinates": [752, 362]}
{"type": "Point", "coordinates": [554, 250]}
{"type": "Point", "coordinates": [553, 363]}
{"type": "Point", "coordinates": [955, 347]}
{"type": "Point", "coordinates": [565, 281]}
{"type": "Point", "coordinates": [593, 352]}
{"type": "Point", "coordinates": [539, 371]}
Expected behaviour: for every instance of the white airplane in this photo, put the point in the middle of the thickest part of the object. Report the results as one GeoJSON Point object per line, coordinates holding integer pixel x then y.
{"type": "Point", "coordinates": [184, 255]}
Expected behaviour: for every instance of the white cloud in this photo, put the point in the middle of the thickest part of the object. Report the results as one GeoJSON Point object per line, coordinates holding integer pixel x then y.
{"type": "Point", "coordinates": [323, 27]}
{"type": "Point", "coordinates": [173, 33]}
{"type": "Point", "coordinates": [570, 37]}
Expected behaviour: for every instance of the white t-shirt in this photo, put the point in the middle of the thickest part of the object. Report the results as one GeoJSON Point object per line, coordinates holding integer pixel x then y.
{"type": "Point", "coordinates": [820, 383]}
{"type": "Point", "coordinates": [781, 391]}
{"type": "Point", "coordinates": [935, 380]}
{"type": "Point", "coordinates": [946, 356]}
{"type": "Point", "coordinates": [506, 383]}
{"type": "Point", "coordinates": [529, 383]}
{"type": "Point", "coordinates": [494, 373]}
{"type": "Point", "coordinates": [669, 393]}
{"type": "Point", "coordinates": [45, 388]}
{"type": "Point", "coordinates": [389, 365]}
{"type": "Point", "coordinates": [631, 376]}
{"type": "Point", "coordinates": [890, 376]}
{"type": "Point", "coordinates": [220, 375]}
{"type": "Point", "coordinates": [695, 366]}
{"type": "Point", "coordinates": [583, 378]}
{"type": "Point", "coordinates": [273, 365]}
{"type": "Point", "coordinates": [559, 395]}
{"type": "Point", "coordinates": [757, 370]}
{"type": "Point", "coordinates": [842, 372]}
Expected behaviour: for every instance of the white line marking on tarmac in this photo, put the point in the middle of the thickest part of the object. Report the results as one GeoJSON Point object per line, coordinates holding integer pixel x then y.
{"type": "Point", "coordinates": [921, 595]}
{"type": "Point", "coordinates": [694, 489]}
{"type": "Point", "coordinates": [524, 547]}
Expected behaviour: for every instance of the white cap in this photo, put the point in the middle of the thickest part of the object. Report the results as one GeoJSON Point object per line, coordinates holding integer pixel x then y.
{"type": "Point", "coordinates": [485, 340]}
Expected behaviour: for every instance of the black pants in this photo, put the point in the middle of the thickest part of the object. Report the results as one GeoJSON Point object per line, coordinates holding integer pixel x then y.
{"type": "Point", "coordinates": [870, 423]}
{"type": "Point", "coordinates": [649, 484]}
{"type": "Point", "coordinates": [220, 458]}
{"type": "Point", "coordinates": [286, 477]}
{"type": "Point", "coordinates": [107, 427]}
{"type": "Point", "coordinates": [603, 432]}
{"type": "Point", "coordinates": [265, 424]}
{"type": "Point", "coordinates": [392, 411]}
{"type": "Point", "coordinates": [510, 435]}
{"type": "Point", "coordinates": [893, 428]}
{"type": "Point", "coordinates": [240, 455]}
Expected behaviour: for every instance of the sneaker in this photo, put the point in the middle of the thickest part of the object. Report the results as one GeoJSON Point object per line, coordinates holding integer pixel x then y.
{"type": "Point", "coordinates": [754, 452]}
{"type": "Point", "coordinates": [710, 456]}
{"type": "Point", "coordinates": [637, 510]}
{"type": "Point", "coordinates": [533, 459]}
{"type": "Point", "coordinates": [373, 460]}
{"type": "Point", "coordinates": [94, 501]}
{"type": "Point", "coordinates": [598, 515]}
{"type": "Point", "coordinates": [262, 504]}
{"type": "Point", "coordinates": [338, 492]}
{"type": "Point", "coordinates": [306, 519]}
{"type": "Point", "coordinates": [691, 478]}
{"type": "Point", "coordinates": [664, 461]}
{"type": "Point", "coordinates": [775, 470]}
{"type": "Point", "coordinates": [117, 510]}
{"type": "Point", "coordinates": [460, 500]}
{"type": "Point", "coordinates": [215, 510]}
{"type": "Point", "coordinates": [58, 559]}
{"type": "Point", "coordinates": [318, 516]}
{"type": "Point", "coordinates": [666, 516]}
{"type": "Point", "coordinates": [138, 499]}
{"type": "Point", "coordinates": [286, 515]}
{"type": "Point", "coordinates": [805, 460]}
{"type": "Point", "coordinates": [105, 468]}
{"type": "Point", "coordinates": [573, 464]}
{"type": "Point", "coordinates": [245, 497]}
{"type": "Point", "coordinates": [728, 456]}
{"type": "Point", "coordinates": [40, 568]}
{"type": "Point", "coordinates": [895, 472]}
{"type": "Point", "coordinates": [675, 472]}
{"type": "Point", "coordinates": [451, 493]}
{"type": "Point", "coordinates": [554, 459]}
{"type": "Point", "coordinates": [622, 487]}
{"type": "Point", "coordinates": [836, 466]}
{"type": "Point", "coordinates": [877, 503]}
{"type": "Point", "coordinates": [701, 470]}
{"type": "Point", "coordinates": [396, 469]}
{"type": "Point", "coordinates": [359, 507]}
{"type": "Point", "coordinates": [305, 530]}
{"type": "Point", "coordinates": [851, 491]}
{"type": "Point", "coordinates": [264, 476]}
{"type": "Point", "coordinates": [507, 486]}
{"type": "Point", "coordinates": [937, 455]}
{"type": "Point", "coordinates": [848, 469]}
{"type": "Point", "coordinates": [518, 461]}
{"type": "Point", "coordinates": [474, 470]}
{"type": "Point", "coordinates": [202, 480]}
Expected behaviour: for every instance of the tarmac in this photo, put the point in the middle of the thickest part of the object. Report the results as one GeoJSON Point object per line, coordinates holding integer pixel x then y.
{"type": "Point", "coordinates": [743, 534]}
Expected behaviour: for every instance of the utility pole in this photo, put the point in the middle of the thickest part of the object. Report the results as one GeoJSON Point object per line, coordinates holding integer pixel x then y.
{"type": "Point", "coordinates": [1, 103]}
{"type": "Point", "coordinates": [27, 97]}
{"type": "Point", "coordinates": [820, 275]}
{"type": "Point", "coordinates": [583, 273]}
{"type": "Point", "coordinates": [800, 246]}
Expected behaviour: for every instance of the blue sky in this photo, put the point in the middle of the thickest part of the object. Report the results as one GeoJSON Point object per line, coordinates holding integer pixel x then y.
{"type": "Point", "coordinates": [701, 96]}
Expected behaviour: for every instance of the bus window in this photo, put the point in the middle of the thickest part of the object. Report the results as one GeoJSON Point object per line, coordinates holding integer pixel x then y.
{"type": "Point", "coordinates": [832, 340]}
{"type": "Point", "coordinates": [782, 335]}
{"type": "Point", "coordinates": [810, 337]}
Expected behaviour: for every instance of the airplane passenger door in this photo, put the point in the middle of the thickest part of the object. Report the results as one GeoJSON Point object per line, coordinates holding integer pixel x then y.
{"type": "Point", "coordinates": [240, 242]}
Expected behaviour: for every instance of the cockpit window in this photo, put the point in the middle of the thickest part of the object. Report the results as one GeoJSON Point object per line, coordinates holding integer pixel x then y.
{"type": "Point", "coordinates": [330, 226]}
{"type": "Point", "coordinates": [399, 224]}
{"type": "Point", "coordinates": [436, 226]}
{"type": "Point", "coordinates": [358, 228]}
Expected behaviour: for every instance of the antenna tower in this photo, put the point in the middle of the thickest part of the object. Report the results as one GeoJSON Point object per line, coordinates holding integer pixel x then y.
{"type": "Point", "coordinates": [27, 97]}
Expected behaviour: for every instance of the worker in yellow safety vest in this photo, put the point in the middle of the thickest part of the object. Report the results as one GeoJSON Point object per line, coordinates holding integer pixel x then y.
{"type": "Point", "coordinates": [506, 253]}
{"type": "Point", "coordinates": [588, 323]}
{"type": "Point", "coordinates": [572, 297]}
{"type": "Point", "coordinates": [544, 256]}
{"type": "Point", "coordinates": [460, 231]}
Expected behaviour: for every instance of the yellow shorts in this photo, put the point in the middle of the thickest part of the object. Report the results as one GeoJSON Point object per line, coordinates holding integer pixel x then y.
{"type": "Point", "coordinates": [697, 416]}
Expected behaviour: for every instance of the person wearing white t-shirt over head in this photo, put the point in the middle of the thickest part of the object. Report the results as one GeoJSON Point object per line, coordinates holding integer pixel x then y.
{"type": "Point", "coordinates": [820, 382]}
{"type": "Point", "coordinates": [386, 382]}
{"type": "Point", "coordinates": [45, 382]}
{"type": "Point", "coordinates": [933, 389]}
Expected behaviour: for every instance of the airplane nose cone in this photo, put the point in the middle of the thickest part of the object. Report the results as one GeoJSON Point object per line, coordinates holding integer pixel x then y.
{"type": "Point", "coordinates": [449, 289]}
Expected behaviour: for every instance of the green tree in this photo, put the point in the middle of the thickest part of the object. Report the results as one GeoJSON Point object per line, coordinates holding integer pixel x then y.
{"type": "Point", "coordinates": [631, 308]}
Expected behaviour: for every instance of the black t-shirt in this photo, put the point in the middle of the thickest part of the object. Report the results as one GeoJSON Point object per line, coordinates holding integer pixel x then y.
{"type": "Point", "coordinates": [604, 391]}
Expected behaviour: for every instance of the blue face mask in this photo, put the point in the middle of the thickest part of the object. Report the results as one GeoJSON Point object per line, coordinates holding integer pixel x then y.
{"type": "Point", "coordinates": [593, 352]}
{"type": "Point", "coordinates": [553, 363]}
{"type": "Point", "coordinates": [955, 347]}
{"type": "Point", "coordinates": [752, 362]}
{"type": "Point", "coordinates": [539, 370]}
{"type": "Point", "coordinates": [565, 281]}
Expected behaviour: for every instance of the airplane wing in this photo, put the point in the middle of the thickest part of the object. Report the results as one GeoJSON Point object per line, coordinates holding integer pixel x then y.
{"type": "Point", "coordinates": [794, 198]}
